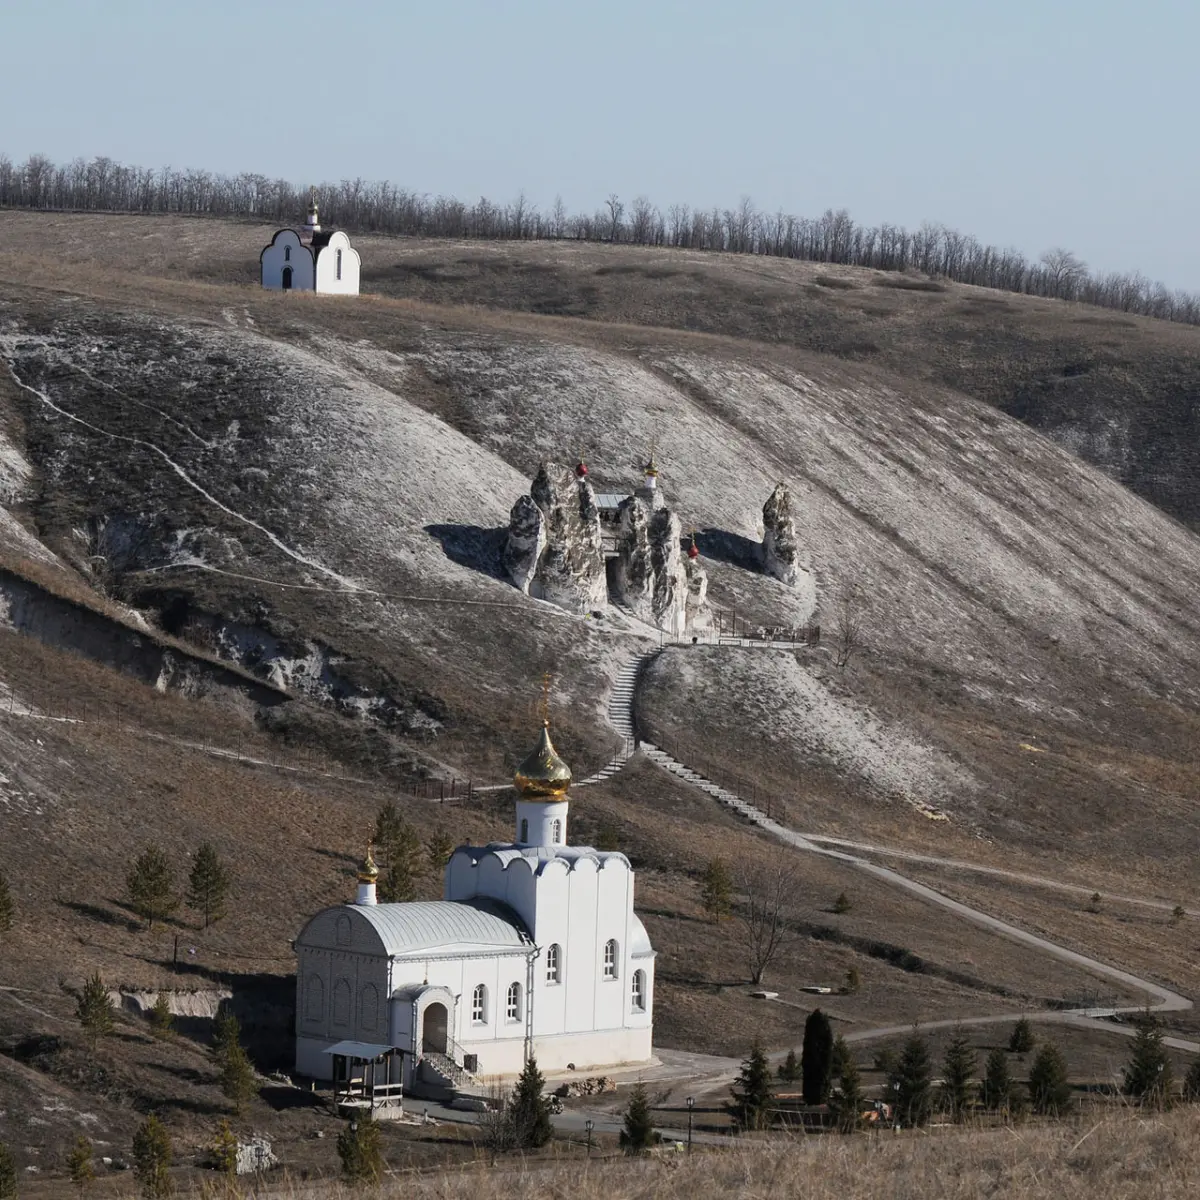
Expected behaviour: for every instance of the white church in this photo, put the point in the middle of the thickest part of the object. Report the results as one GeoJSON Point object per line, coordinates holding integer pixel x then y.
{"type": "Point", "coordinates": [310, 259]}
{"type": "Point", "coordinates": [534, 952]}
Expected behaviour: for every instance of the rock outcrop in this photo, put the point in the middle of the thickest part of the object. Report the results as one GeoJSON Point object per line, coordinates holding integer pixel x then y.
{"type": "Point", "coordinates": [554, 550]}
{"type": "Point", "coordinates": [697, 613]}
{"type": "Point", "coordinates": [651, 579]}
{"type": "Point", "coordinates": [780, 552]}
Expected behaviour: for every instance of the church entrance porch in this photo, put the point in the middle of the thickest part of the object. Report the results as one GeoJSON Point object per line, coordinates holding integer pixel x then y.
{"type": "Point", "coordinates": [434, 1029]}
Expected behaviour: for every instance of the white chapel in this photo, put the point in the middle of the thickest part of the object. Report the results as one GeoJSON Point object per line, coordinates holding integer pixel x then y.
{"type": "Point", "coordinates": [534, 952]}
{"type": "Point", "coordinates": [310, 259]}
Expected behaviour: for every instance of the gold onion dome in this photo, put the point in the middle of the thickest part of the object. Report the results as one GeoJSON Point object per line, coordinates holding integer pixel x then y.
{"type": "Point", "coordinates": [368, 872]}
{"type": "Point", "coordinates": [543, 775]}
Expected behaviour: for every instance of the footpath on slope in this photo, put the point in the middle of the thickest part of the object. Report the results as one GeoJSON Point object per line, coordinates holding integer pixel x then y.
{"type": "Point", "coordinates": [1159, 998]}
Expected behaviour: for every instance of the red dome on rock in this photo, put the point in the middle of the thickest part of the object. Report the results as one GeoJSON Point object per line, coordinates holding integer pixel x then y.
{"type": "Point", "coordinates": [581, 469]}
{"type": "Point", "coordinates": [692, 551]}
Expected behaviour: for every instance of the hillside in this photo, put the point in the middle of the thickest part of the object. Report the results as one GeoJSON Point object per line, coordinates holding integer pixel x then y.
{"type": "Point", "coordinates": [311, 494]}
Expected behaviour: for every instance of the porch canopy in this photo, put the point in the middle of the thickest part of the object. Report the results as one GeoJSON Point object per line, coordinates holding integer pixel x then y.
{"type": "Point", "coordinates": [366, 1051]}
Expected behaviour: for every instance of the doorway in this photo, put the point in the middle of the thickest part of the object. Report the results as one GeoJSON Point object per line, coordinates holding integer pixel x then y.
{"type": "Point", "coordinates": [434, 1025]}
{"type": "Point", "coordinates": [287, 279]}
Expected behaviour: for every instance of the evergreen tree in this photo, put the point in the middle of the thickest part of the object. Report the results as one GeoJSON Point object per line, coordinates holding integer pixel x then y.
{"type": "Point", "coordinates": [530, 1109]}
{"type": "Point", "coordinates": [227, 1032]}
{"type": "Point", "coordinates": [789, 1069]}
{"type": "Point", "coordinates": [389, 825]}
{"type": "Point", "coordinates": [401, 851]}
{"type": "Point", "coordinates": [358, 1148]}
{"type": "Point", "coordinates": [849, 1098]}
{"type": "Point", "coordinates": [751, 1093]}
{"type": "Point", "coordinates": [162, 1019]}
{"type": "Point", "coordinates": [439, 848]}
{"type": "Point", "coordinates": [853, 982]}
{"type": "Point", "coordinates": [816, 1058]}
{"type": "Point", "coordinates": [150, 884]}
{"type": "Point", "coordinates": [8, 1174]}
{"type": "Point", "coordinates": [152, 1158]}
{"type": "Point", "coordinates": [6, 905]}
{"type": "Point", "coordinates": [224, 1150]}
{"type": "Point", "coordinates": [958, 1073]}
{"type": "Point", "coordinates": [608, 836]}
{"type": "Point", "coordinates": [95, 1010]}
{"type": "Point", "coordinates": [716, 889]}
{"type": "Point", "coordinates": [1191, 1082]}
{"type": "Point", "coordinates": [237, 1078]}
{"type": "Point", "coordinates": [841, 1055]}
{"type": "Point", "coordinates": [841, 904]}
{"type": "Point", "coordinates": [80, 1168]}
{"type": "Point", "coordinates": [1049, 1091]}
{"type": "Point", "coordinates": [1177, 914]}
{"type": "Point", "coordinates": [208, 885]}
{"type": "Point", "coordinates": [911, 1086]}
{"type": "Point", "coordinates": [1148, 1078]}
{"type": "Point", "coordinates": [996, 1088]}
{"type": "Point", "coordinates": [639, 1133]}
{"type": "Point", "coordinates": [1021, 1041]}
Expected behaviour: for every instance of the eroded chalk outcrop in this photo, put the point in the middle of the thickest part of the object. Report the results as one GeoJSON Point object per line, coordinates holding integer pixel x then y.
{"type": "Point", "coordinates": [780, 549]}
{"type": "Point", "coordinates": [650, 577]}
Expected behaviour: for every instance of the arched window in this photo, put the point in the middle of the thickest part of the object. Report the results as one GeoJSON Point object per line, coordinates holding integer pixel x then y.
{"type": "Point", "coordinates": [342, 931]}
{"type": "Point", "coordinates": [479, 1005]}
{"type": "Point", "coordinates": [339, 264]}
{"type": "Point", "coordinates": [524, 829]}
{"type": "Point", "coordinates": [287, 254]}
{"type": "Point", "coordinates": [610, 959]}
{"type": "Point", "coordinates": [287, 279]}
{"type": "Point", "coordinates": [639, 991]}
{"type": "Point", "coordinates": [553, 963]}
{"type": "Point", "coordinates": [341, 1002]}
{"type": "Point", "coordinates": [556, 831]}
{"type": "Point", "coordinates": [314, 999]}
{"type": "Point", "coordinates": [368, 1008]}
{"type": "Point", "coordinates": [513, 1009]}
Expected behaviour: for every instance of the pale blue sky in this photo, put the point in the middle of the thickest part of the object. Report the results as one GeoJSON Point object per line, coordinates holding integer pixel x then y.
{"type": "Point", "coordinates": [1028, 122]}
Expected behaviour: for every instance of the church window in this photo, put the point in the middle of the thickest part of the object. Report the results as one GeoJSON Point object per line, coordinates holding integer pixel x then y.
{"type": "Point", "coordinates": [339, 264]}
{"type": "Point", "coordinates": [513, 1010]}
{"type": "Point", "coordinates": [368, 1009]}
{"type": "Point", "coordinates": [342, 931]}
{"type": "Point", "coordinates": [479, 1005]}
{"type": "Point", "coordinates": [639, 991]}
{"type": "Point", "coordinates": [341, 1003]}
{"type": "Point", "coordinates": [314, 998]}
{"type": "Point", "coordinates": [610, 959]}
{"type": "Point", "coordinates": [287, 254]}
{"type": "Point", "coordinates": [524, 829]}
{"type": "Point", "coordinates": [556, 831]}
{"type": "Point", "coordinates": [553, 960]}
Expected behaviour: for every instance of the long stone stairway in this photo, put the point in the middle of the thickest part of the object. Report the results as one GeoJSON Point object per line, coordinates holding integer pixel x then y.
{"type": "Point", "coordinates": [620, 716]}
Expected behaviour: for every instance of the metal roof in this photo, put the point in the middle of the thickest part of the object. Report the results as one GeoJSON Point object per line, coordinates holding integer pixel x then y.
{"type": "Point", "coordinates": [611, 499]}
{"type": "Point", "coordinates": [424, 927]}
{"type": "Point", "coordinates": [639, 940]}
{"type": "Point", "coordinates": [364, 1050]}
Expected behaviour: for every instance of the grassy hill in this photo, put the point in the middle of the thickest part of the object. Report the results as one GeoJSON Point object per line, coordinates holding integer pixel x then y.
{"type": "Point", "coordinates": [312, 492]}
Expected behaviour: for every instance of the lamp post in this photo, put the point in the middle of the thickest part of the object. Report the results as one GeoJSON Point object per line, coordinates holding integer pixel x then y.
{"type": "Point", "coordinates": [588, 1126]}
{"type": "Point", "coordinates": [691, 1103]}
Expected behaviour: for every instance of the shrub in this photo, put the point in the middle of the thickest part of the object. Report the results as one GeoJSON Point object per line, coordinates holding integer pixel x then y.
{"type": "Point", "coordinates": [358, 1148]}
{"type": "Point", "coordinates": [80, 1168]}
{"type": "Point", "coordinates": [842, 903]}
{"type": "Point", "coordinates": [751, 1093]}
{"type": "Point", "coordinates": [161, 1018]}
{"type": "Point", "coordinates": [716, 889]}
{"type": "Point", "coordinates": [8, 1174]}
{"type": "Point", "coordinates": [224, 1150]}
{"type": "Point", "coordinates": [789, 1069]}
{"type": "Point", "coordinates": [639, 1133]}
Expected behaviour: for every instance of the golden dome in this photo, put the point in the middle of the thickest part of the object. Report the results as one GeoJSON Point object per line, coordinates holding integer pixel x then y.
{"type": "Point", "coordinates": [368, 872]}
{"type": "Point", "coordinates": [543, 775]}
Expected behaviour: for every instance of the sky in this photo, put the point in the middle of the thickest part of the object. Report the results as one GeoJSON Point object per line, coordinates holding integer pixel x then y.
{"type": "Point", "coordinates": [1027, 123]}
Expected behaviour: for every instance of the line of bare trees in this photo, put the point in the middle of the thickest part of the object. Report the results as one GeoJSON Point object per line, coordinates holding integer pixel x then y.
{"type": "Point", "coordinates": [382, 207]}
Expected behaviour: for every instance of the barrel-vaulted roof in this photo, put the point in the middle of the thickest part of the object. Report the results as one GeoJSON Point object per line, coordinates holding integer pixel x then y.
{"type": "Point", "coordinates": [425, 928]}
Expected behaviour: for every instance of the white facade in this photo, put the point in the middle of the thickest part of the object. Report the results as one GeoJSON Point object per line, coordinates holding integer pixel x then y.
{"type": "Point", "coordinates": [310, 262]}
{"type": "Point", "coordinates": [535, 950]}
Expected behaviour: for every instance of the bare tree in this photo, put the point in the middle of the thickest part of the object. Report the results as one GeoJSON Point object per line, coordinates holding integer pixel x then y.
{"type": "Point", "coordinates": [616, 209]}
{"type": "Point", "coordinates": [847, 637]}
{"type": "Point", "coordinates": [1065, 272]}
{"type": "Point", "coordinates": [769, 900]}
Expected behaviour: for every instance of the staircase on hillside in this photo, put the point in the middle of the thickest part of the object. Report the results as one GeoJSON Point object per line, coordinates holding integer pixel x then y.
{"type": "Point", "coordinates": [620, 716]}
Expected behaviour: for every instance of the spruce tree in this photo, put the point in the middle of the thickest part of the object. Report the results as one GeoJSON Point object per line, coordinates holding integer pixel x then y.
{"type": "Point", "coordinates": [716, 889]}
{"type": "Point", "coordinates": [816, 1058]}
{"type": "Point", "coordinates": [95, 1010]}
{"type": "Point", "coordinates": [789, 1069]}
{"type": "Point", "coordinates": [7, 908]}
{"type": "Point", "coordinates": [841, 1054]}
{"type": "Point", "coordinates": [1191, 1083]}
{"type": "Point", "coordinates": [842, 904]}
{"type": "Point", "coordinates": [439, 848]}
{"type": "Point", "coordinates": [1049, 1091]}
{"type": "Point", "coordinates": [237, 1078]}
{"type": "Point", "coordinates": [227, 1032]}
{"type": "Point", "coordinates": [1021, 1040]}
{"type": "Point", "coordinates": [751, 1093]}
{"type": "Point", "coordinates": [639, 1133]}
{"type": "Point", "coordinates": [958, 1074]}
{"type": "Point", "coordinates": [224, 1150]}
{"type": "Point", "coordinates": [911, 1084]}
{"type": "Point", "coordinates": [849, 1098]}
{"type": "Point", "coordinates": [152, 1158]}
{"type": "Point", "coordinates": [996, 1088]}
{"type": "Point", "coordinates": [359, 1149]}
{"type": "Point", "coordinates": [1148, 1078]}
{"type": "Point", "coordinates": [80, 1168]}
{"type": "Point", "coordinates": [162, 1019]}
{"type": "Point", "coordinates": [401, 851]}
{"type": "Point", "coordinates": [530, 1109]}
{"type": "Point", "coordinates": [150, 884]}
{"type": "Point", "coordinates": [8, 1174]}
{"type": "Point", "coordinates": [208, 885]}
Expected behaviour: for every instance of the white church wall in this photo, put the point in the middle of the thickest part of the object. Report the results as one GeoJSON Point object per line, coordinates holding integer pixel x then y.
{"type": "Point", "coordinates": [286, 250]}
{"type": "Point", "coordinates": [328, 278]}
{"type": "Point", "coordinates": [582, 953]}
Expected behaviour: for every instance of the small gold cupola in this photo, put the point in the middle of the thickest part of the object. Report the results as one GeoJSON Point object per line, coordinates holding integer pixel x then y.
{"type": "Point", "coordinates": [543, 775]}
{"type": "Point", "coordinates": [368, 874]}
